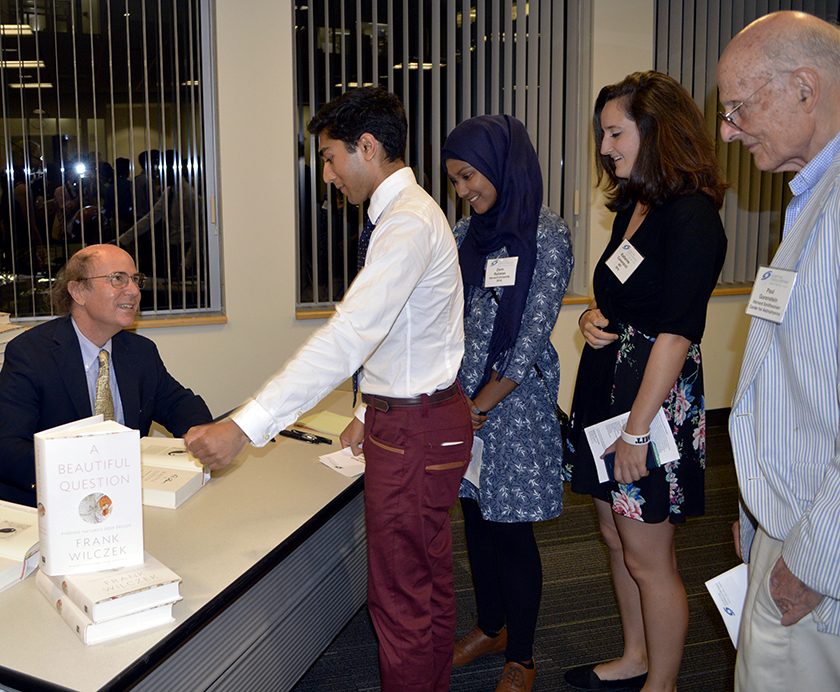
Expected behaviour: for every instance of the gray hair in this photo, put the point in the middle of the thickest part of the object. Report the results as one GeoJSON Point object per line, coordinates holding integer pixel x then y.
{"type": "Point", "coordinates": [76, 269]}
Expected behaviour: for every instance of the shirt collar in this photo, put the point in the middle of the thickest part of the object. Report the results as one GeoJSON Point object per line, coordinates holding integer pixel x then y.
{"type": "Point", "coordinates": [814, 170]}
{"type": "Point", "coordinates": [388, 189]}
{"type": "Point", "coordinates": [90, 351]}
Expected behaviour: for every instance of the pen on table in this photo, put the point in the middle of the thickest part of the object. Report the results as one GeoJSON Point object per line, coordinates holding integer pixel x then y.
{"type": "Point", "coordinates": [305, 437]}
{"type": "Point", "coordinates": [317, 438]}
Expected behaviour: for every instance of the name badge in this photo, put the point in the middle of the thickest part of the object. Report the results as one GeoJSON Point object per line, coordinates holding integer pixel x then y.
{"type": "Point", "coordinates": [500, 272]}
{"type": "Point", "coordinates": [624, 261]}
{"type": "Point", "coordinates": [771, 293]}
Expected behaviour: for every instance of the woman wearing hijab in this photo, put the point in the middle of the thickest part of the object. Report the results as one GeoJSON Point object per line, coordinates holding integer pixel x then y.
{"type": "Point", "coordinates": [516, 258]}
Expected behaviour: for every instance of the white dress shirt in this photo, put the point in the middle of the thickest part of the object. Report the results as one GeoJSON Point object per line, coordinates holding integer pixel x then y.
{"type": "Point", "coordinates": [402, 317]}
{"type": "Point", "coordinates": [785, 422]}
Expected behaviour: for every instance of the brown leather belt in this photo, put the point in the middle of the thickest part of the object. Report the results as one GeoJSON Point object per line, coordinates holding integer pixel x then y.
{"type": "Point", "coordinates": [384, 403]}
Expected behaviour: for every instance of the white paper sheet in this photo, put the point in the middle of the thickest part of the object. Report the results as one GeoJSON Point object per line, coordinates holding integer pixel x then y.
{"type": "Point", "coordinates": [729, 591]}
{"type": "Point", "coordinates": [344, 462]}
{"type": "Point", "coordinates": [473, 472]}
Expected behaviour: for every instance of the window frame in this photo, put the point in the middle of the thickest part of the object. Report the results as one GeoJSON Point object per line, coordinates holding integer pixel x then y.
{"type": "Point", "coordinates": [206, 146]}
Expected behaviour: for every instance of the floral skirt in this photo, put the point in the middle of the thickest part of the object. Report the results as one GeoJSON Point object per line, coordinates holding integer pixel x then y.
{"type": "Point", "coordinates": [608, 380]}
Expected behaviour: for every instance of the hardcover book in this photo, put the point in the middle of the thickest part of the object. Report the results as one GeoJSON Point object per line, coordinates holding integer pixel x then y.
{"type": "Point", "coordinates": [114, 593]}
{"type": "Point", "coordinates": [90, 503]}
{"type": "Point", "coordinates": [170, 473]}
{"type": "Point", "coordinates": [95, 632]}
{"type": "Point", "coordinates": [18, 543]}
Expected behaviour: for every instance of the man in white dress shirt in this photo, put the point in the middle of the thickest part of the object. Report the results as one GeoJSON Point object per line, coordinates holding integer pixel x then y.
{"type": "Point", "coordinates": [402, 319]}
{"type": "Point", "coordinates": [779, 82]}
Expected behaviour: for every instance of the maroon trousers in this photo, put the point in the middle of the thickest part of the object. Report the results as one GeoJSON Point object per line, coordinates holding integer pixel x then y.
{"type": "Point", "coordinates": [415, 458]}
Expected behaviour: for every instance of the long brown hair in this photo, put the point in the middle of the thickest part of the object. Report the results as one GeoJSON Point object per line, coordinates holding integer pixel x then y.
{"type": "Point", "coordinates": [676, 151]}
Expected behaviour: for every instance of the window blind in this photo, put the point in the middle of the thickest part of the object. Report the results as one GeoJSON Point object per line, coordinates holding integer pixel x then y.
{"type": "Point", "coordinates": [447, 60]}
{"type": "Point", "coordinates": [105, 123]}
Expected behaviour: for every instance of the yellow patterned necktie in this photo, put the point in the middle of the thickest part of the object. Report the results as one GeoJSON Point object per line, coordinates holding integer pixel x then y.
{"type": "Point", "coordinates": [104, 403]}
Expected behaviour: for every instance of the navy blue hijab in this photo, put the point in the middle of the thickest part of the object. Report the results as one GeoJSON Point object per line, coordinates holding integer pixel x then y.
{"type": "Point", "coordinates": [498, 147]}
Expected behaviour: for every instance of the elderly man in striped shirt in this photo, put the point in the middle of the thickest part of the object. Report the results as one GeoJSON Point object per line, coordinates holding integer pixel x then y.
{"type": "Point", "coordinates": [779, 82]}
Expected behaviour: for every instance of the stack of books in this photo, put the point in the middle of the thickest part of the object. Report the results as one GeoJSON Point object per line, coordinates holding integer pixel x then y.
{"type": "Point", "coordinates": [93, 569]}
{"type": "Point", "coordinates": [8, 331]}
{"type": "Point", "coordinates": [103, 605]}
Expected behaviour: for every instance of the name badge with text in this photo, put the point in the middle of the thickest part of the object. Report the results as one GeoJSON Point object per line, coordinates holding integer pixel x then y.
{"type": "Point", "coordinates": [624, 261]}
{"type": "Point", "coordinates": [771, 293]}
{"type": "Point", "coordinates": [500, 272]}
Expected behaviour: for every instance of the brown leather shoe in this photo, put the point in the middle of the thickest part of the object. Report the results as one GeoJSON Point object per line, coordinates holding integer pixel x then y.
{"type": "Point", "coordinates": [517, 678]}
{"type": "Point", "coordinates": [476, 644]}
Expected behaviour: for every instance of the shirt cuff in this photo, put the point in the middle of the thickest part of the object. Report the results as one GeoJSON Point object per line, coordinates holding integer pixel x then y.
{"type": "Point", "coordinates": [360, 412]}
{"type": "Point", "coordinates": [256, 423]}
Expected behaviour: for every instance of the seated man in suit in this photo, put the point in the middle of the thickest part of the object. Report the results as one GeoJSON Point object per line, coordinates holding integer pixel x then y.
{"type": "Point", "coordinates": [51, 373]}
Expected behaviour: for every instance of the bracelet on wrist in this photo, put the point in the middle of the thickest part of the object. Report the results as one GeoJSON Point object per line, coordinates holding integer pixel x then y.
{"type": "Point", "coordinates": [583, 313]}
{"type": "Point", "coordinates": [481, 413]}
{"type": "Point", "coordinates": [635, 440]}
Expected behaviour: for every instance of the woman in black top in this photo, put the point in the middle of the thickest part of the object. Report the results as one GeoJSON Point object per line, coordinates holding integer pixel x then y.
{"type": "Point", "coordinates": [643, 331]}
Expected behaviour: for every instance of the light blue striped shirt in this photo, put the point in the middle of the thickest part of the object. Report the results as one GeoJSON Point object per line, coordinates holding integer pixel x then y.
{"type": "Point", "coordinates": [785, 423]}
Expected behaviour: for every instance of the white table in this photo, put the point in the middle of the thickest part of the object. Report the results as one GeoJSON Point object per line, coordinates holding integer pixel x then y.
{"type": "Point", "coordinates": [272, 556]}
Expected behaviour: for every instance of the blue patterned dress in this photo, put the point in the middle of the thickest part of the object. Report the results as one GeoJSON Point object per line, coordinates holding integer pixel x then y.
{"type": "Point", "coordinates": [522, 464]}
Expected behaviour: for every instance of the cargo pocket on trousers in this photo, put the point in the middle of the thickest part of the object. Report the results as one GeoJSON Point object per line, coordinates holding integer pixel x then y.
{"type": "Point", "coordinates": [447, 454]}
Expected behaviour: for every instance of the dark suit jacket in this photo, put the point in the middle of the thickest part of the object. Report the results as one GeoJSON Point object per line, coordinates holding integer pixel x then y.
{"type": "Point", "coordinates": [42, 384]}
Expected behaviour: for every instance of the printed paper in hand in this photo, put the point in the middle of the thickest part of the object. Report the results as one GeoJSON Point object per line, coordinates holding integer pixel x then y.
{"type": "Point", "coordinates": [729, 591]}
{"type": "Point", "coordinates": [344, 462]}
{"type": "Point", "coordinates": [601, 435]}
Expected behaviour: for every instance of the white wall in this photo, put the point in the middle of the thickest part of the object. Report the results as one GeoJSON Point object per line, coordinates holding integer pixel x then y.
{"type": "Point", "coordinates": [257, 155]}
{"type": "Point", "coordinates": [255, 59]}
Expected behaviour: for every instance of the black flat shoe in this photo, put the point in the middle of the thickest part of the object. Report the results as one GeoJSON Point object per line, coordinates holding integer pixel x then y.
{"type": "Point", "coordinates": [584, 678]}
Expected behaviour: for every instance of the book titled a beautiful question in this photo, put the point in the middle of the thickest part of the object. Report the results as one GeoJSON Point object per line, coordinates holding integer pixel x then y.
{"type": "Point", "coordinates": [90, 502]}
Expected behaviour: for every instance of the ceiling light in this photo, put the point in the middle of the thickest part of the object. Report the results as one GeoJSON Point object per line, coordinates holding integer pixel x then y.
{"type": "Point", "coordinates": [21, 64]}
{"type": "Point", "coordinates": [414, 66]}
{"type": "Point", "coordinates": [32, 85]}
{"type": "Point", "coordinates": [15, 30]}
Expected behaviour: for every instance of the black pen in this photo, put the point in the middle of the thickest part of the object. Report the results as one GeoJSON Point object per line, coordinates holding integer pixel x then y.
{"type": "Point", "coordinates": [305, 437]}
{"type": "Point", "coordinates": [317, 438]}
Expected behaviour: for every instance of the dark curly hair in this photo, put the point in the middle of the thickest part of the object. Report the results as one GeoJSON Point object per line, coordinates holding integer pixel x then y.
{"type": "Point", "coordinates": [676, 150]}
{"type": "Point", "coordinates": [366, 109]}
